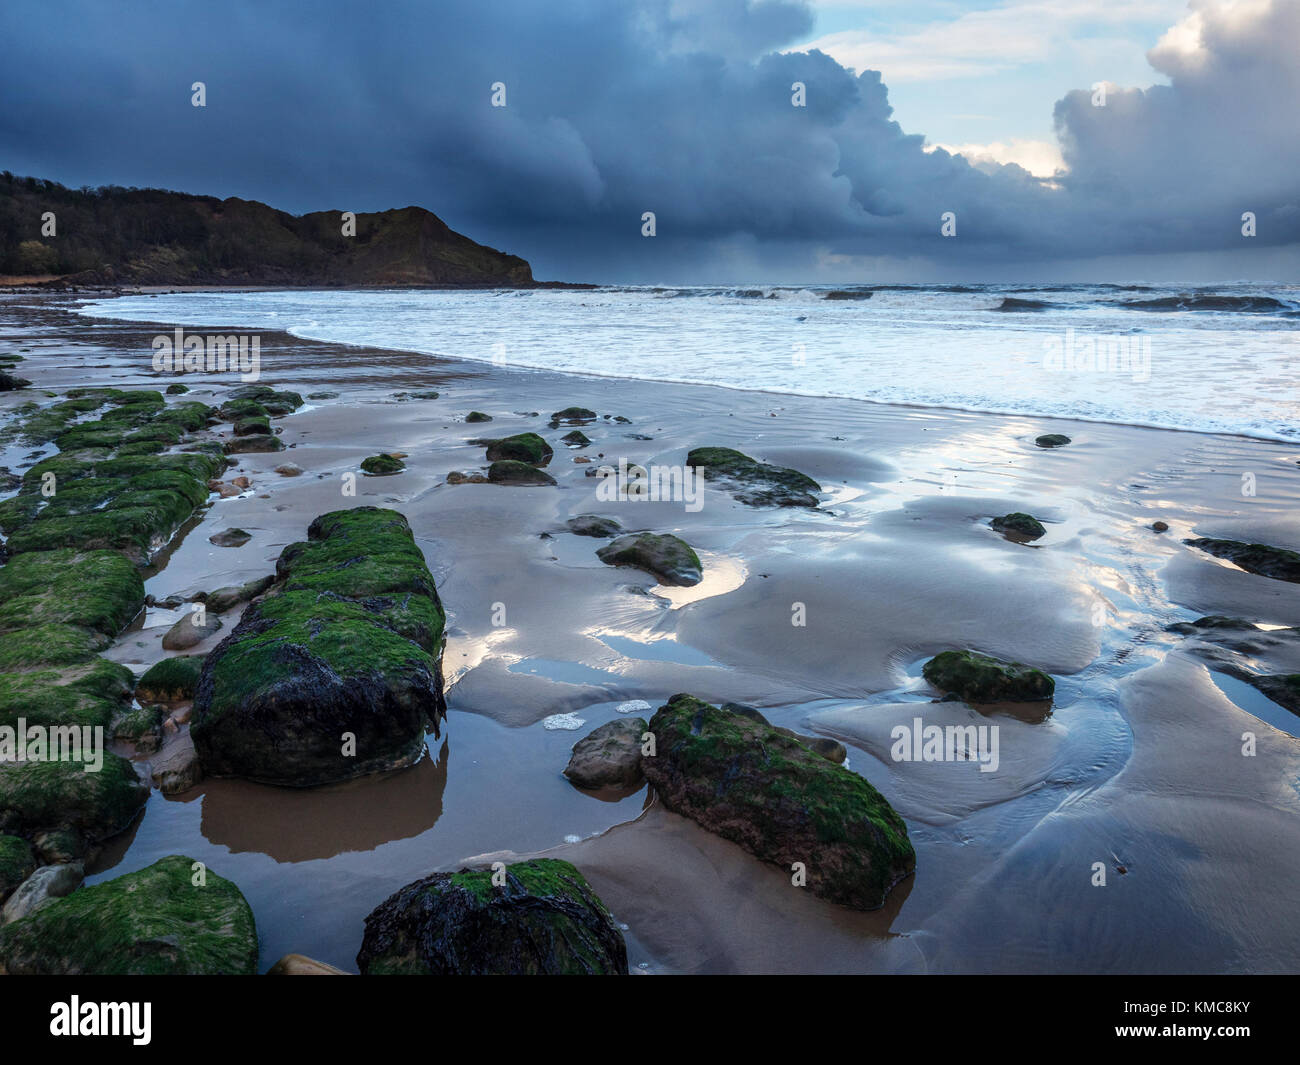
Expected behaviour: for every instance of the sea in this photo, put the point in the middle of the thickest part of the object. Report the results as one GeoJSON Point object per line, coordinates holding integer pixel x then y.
{"type": "Point", "coordinates": [1211, 359]}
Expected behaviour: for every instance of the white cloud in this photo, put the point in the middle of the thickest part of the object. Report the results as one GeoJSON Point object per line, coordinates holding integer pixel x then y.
{"type": "Point", "coordinates": [1040, 158]}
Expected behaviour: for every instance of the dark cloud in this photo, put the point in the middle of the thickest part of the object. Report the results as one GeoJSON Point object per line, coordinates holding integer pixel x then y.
{"type": "Point", "coordinates": [616, 108]}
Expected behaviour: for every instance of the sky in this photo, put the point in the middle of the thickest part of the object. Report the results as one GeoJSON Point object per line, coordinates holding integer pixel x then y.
{"type": "Point", "coordinates": [977, 119]}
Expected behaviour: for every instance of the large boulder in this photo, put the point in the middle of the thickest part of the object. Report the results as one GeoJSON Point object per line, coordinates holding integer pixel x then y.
{"type": "Point", "coordinates": [172, 680]}
{"type": "Point", "coordinates": [978, 678]}
{"type": "Point", "coordinates": [336, 672]}
{"type": "Point", "coordinates": [155, 921]}
{"type": "Point", "coordinates": [609, 756]}
{"type": "Point", "coordinates": [543, 920]}
{"type": "Point", "coordinates": [779, 800]}
{"type": "Point", "coordinates": [38, 797]}
{"type": "Point", "coordinates": [669, 558]}
{"type": "Point", "coordinates": [759, 484]}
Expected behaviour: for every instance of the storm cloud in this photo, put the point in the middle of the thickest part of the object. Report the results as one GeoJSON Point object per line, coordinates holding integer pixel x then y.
{"type": "Point", "coordinates": [614, 109]}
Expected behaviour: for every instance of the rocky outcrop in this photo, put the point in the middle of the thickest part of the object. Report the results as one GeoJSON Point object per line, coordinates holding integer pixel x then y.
{"type": "Point", "coordinates": [544, 919]}
{"type": "Point", "coordinates": [336, 671]}
{"type": "Point", "coordinates": [778, 800]}
{"type": "Point", "coordinates": [1275, 562]}
{"type": "Point", "coordinates": [756, 483]}
{"type": "Point", "coordinates": [666, 557]}
{"type": "Point", "coordinates": [162, 920]}
{"type": "Point", "coordinates": [978, 678]}
{"type": "Point", "coordinates": [609, 756]}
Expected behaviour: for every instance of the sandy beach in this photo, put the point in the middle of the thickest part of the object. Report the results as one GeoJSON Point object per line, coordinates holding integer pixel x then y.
{"type": "Point", "coordinates": [1138, 766]}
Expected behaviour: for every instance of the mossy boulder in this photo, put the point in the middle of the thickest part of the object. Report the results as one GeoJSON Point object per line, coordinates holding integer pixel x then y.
{"type": "Point", "coordinates": [40, 797]}
{"type": "Point", "coordinates": [755, 483]}
{"type": "Point", "coordinates": [1266, 561]}
{"type": "Point", "coordinates": [572, 416]}
{"type": "Point", "coordinates": [668, 558]}
{"type": "Point", "coordinates": [577, 438]}
{"type": "Point", "coordinates": [176, 390]}
{"type": "Point", "coordinates": [382, 465]}
{"type": "Point", "coordinates": [779, 800]}
{"type": "Point", "coordinates": [253, 426]}
{"type": "Point", "coordinates": [477, 416]}
{"type": "Point", "coordinates": [1052, 440]}
{"type": "Point", "coordinates": [17, 863]}
{"type": "Point", "coordinates": [508, 471]}
{"type": "Point", "coordinates": [141, 726]}
{"type": "Point", "coordinates": [978, 678]}
{"type": "Point", "coordinates": [156, 921]}
{"type": "Point", "coordinates": [1019, 526]}
{"type": "Point", "coordinates": [348, 641]}
{"type": "Point", "coordinates": [543, 920]}
{"type": "Point", "coordinates": [257, 444]}
{"type": "Point", "coordinates": [523, 447]}
{"type": "Point", "coordinates": [172, 680]}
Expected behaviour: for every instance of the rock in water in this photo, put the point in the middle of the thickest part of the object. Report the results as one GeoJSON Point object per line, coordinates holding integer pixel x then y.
{"type": "Point", "coordinates": [594, 525]}
{"type": "Point", "coordinates": [154, 921]}
{"type": "Point", "coordinates": [979, 678]}
{"type": "Point", "coordinates": [1019, 525]}
{"type": "Point", "coordinates": [1052, 440]}
{"type": "Point", "coordinates": [780, 801]}
{"type": "Point", "coordinates": [544, 920]}
{"type": "Point", "coordinates": [1275, 562]}
{"type": "Point", "coordinates": [382, 465]}
{"type": "Point", "coordinates": [610, 756]}
{"type": "Point", "coordinates": [525, 447]}
{"type": "Point", "coordinates": [190, 631]}
{"type": "Point", "coordinates": [662, 555]}
{"type": "Point", "coordinates": [756, 483]}
{"type": "Point", "coordinates": [349, 641]}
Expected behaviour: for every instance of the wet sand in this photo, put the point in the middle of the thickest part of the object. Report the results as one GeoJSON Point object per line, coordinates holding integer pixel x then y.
{"type": "Point", "coordinates": [1138, 766]}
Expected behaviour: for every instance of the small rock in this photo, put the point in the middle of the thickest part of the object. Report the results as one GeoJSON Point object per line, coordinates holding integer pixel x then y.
{"type": "Point", "coordinates": [1159, 526]}
{"type": "Point", "coordinates": [176, 767]}
{"type": "Point", "coordinates": [301, 965]}
{"type": "Point", "coordinates": [1052, 440]}
{"type": "Point", "coordinates": [610, 756]}
{"type": "Point", "coordinates": [230, 538]}
{"type": "Point", "coordinates": [190, 631]}
{"type": "Point", "coordinates": [49, 882]}
{"type": "Point", "coordinates": [289, 469]}
{"type": "Point", "coordinates": [594, 525]}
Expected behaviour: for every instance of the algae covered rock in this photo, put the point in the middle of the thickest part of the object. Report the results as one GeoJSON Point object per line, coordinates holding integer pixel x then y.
{"type": "Point", "coordinates": [609, 756]}
{"type": "Point", "coordinates": [170, 681]}
{"type": "Point", "coordinates": [44, 796]}
{"type": "Point", "coordinates": [664, 556]}
{"type": "Point", "coordinates": [1275, 562]}
{"type": "Point", "coordinates": [1019, 525]}
{"type": "Point", "coordinates": [543, 920]}
{"type": "Point", "coordinates": [779, 800]}
{"type": "Point", "coordinates": [524, 447]}
{"type": "Point", "coordinates": [572, 416]}
{"type": "Point", "coordinates": [166, 919]}
{"type": "Point", "coordinates": [477, 416]}
{"type": "Point", "coordinates": [756, 483]}
{"type": "Point", "coordinates": [336, 671]}
{"type": "Point", "coordinates": [978, 678]}
{"type": "Point", "coordinates": [509, 471]}
{"type": "Point", "coordinates": [17, 863]}
{"type": "Point", "coordinates": [382, 465]}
